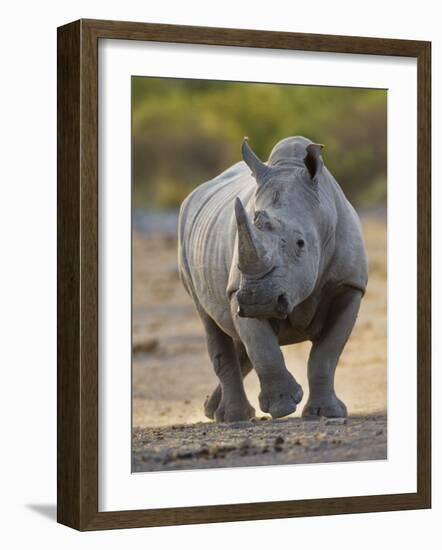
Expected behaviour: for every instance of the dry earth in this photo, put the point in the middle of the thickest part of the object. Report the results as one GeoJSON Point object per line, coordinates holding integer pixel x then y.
{"type": "Point", "coordinates": [172, 376]}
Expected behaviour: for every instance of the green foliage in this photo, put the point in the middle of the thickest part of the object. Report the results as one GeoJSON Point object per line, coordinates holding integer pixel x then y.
{"type": "Point", "coordinates": [188, 131]}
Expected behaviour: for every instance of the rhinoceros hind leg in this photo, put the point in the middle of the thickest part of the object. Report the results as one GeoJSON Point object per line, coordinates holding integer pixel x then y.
{"type": "Point", "coordinates": [325, 354]}
{"type": "Point", "coordinates": [212, 401]}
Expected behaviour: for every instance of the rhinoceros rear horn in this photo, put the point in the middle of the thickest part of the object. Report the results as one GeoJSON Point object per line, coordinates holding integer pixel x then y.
{"type": "Point", "coordinates": [258, 168]}
{"type": "Point", "coordinates": [313, 160]}
{"type": "Point", "coordinates": [252, 257]}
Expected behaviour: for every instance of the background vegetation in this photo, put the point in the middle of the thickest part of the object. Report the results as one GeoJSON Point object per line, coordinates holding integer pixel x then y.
{"type": "Point", "coordinates": [188, 131]}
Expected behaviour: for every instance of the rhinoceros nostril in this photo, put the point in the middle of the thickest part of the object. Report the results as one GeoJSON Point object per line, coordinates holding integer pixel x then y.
{"type": "Point", "coordinates": [240, 311]}
{"type": "Point", "coordinates": [283, 303]}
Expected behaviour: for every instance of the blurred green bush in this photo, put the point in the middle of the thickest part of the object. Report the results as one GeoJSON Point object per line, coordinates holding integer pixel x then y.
{"type": "Point", "coordinates": [185, 132]}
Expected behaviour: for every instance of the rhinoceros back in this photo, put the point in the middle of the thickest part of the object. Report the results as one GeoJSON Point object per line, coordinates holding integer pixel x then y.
{"type": "Point", "coordinates": [207, 233]}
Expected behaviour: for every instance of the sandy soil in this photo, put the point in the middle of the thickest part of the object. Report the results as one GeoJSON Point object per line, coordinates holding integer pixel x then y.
{"type": "Point", "coordinates": [172, 376]}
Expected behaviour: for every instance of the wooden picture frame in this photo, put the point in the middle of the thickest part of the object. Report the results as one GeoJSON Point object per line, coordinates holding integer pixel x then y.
{"type": "Point", "coordinates": [77, 461]}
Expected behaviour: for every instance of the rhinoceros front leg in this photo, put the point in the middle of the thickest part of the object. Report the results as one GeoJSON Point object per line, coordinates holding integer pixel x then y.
{"type": "Point", "coordinates": [325, 354]}
{"type": "Point", "coordinates": [233, 404]}
{"type": "Point", "coordinates": [280, 393]}
{"type": "Point", "coordinates": [212, 401]}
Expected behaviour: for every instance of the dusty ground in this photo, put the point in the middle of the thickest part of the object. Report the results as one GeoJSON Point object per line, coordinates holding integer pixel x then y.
{"type": "Point", "coordinates": [172, 376]}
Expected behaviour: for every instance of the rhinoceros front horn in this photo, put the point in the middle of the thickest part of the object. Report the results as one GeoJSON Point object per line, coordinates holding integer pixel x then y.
{"type": "Point", "coordinates": [252, 256]}
{"type": "Point", "coordinates": [258, 168]}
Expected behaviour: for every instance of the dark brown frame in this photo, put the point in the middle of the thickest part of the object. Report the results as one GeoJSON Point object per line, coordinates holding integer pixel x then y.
{"type": "Point", "coordinates": [77, 224]}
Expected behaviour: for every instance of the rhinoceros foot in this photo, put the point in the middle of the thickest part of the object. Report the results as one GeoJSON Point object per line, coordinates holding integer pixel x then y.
{"type": "Point", "coordinates": [329, 406]}
{"type": "Point", "coordinates": [234, 412]}
{"type": "Point", "coordinates": [280, 396]}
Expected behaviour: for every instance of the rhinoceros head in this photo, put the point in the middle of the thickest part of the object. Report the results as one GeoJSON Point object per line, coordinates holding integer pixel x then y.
{"type": "Point", "coordinates": [279, 236]}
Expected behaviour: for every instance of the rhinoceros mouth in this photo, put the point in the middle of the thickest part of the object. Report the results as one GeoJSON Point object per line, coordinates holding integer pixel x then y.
{"type": "Point", "coordinates": [259, 312]}
{"type": "Point", "coordinates": [248, 306]}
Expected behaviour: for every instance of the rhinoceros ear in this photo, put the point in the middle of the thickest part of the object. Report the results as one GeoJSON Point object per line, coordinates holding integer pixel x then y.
{"type": "Point", "coordinates": [313, 160]}
{"type": "Point", "coordinates": [258, 168]}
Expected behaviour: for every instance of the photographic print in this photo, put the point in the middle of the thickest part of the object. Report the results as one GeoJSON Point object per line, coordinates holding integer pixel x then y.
{"type": "Point", "coordinates": [259, 274]}
{"type": "Point", "coordinates": [227, 308]}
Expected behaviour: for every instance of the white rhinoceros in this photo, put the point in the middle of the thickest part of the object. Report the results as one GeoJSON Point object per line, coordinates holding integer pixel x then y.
{"type": "Point", "coordinates": [272, 254]}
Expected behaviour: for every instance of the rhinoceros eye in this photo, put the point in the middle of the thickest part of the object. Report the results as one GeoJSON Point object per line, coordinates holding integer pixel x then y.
{"type": "Point", "coordinates": [300, 243]}
{"type": "Point", "coordinates": [276, 197]}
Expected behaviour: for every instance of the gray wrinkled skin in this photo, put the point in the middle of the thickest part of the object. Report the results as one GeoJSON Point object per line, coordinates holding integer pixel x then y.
{"type": "Point", "coordinates": [272, 254]}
